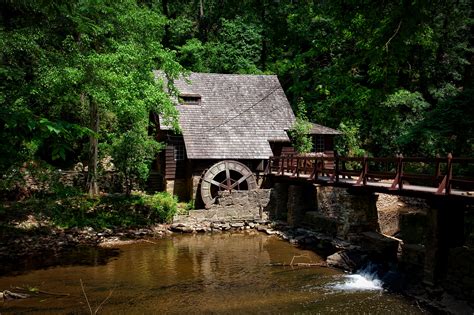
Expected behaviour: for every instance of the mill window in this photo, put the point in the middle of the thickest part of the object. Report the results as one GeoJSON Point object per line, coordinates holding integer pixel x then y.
{"type": "Point", "coordinates": [190, 99]}
{"type": "Point", "coordinates": [179, 152]}
{"type": "Point", "coordinates": [318, 143]}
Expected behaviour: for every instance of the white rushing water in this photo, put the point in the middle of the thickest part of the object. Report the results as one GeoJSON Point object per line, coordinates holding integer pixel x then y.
{"type": "Point", "coordinates": [365, 280]}
{"type": "Point", "coordinates": [358, 283]}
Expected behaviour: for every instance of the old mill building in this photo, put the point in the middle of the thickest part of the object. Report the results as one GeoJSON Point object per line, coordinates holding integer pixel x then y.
{"type": "Point", "coordinates": [231, 124]}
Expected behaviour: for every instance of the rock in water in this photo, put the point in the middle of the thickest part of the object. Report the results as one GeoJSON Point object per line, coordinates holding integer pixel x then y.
{"type": "Point", "coordinates": [349, 260]}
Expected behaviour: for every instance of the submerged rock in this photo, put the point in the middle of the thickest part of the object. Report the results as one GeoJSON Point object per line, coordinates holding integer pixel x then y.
{"type": "Point", "coordinates": [349, 260]}
{"type": "Point", "coordinates": [181, 227]}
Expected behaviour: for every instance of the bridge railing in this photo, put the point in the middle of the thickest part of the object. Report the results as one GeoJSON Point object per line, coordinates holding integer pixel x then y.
{"type": "Point", "coordinates": [429, 172]}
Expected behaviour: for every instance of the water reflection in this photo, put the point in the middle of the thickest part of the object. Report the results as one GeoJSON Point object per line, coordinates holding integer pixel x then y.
{"type": "Point", "coordinates": [224, 273]}
{"type": "Point", "coordinates": [87, 256]}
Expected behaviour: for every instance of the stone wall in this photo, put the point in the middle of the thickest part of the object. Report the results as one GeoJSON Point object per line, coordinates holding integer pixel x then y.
{"type": "Point", "coordinates": [178, 187]}
{"type": "Point", "coordinates": [353, 212]}
{"type": "Point", "coordinates": [301, 199]}
{"type": "Point", "coordinates": [460, 275]}
{"type": "Point", "coordinates": [195, 193]}
{"type": "Point", "coordinates": [235, 206]}
{"type": "Point", "coordinates": [109, 181]}
{"type": "Point", "coordinates": [279, 202]}
{"type": "Point", "coordinates": [395, 211]}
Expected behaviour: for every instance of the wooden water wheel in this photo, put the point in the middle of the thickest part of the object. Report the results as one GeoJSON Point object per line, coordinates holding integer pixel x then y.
{"type": "Point", "coordinates": [226, 175]}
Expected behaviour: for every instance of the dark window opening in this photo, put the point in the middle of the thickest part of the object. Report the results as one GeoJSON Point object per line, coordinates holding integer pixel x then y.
{"type": "Point", "coordinates": [179, 152]}
{"type": "Point", "coordinates": [190, 99]}
{"type": "Point", "coordinates": [318, 143]}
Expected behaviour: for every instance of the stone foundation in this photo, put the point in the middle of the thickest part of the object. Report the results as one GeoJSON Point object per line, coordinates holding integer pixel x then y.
{"type": "Point", "coordinates": [354, 213]}
{"type": "Point", "coordinates": [300, 200]}
{"type": "Point", "coordinates": [279, 198]}
{"type": "Point", "coordinates": [392, 211]}
{"type": "Point", "coordinates": [177, 187]}
{"type": "Point", "coordinates": [330, 210]}
{"type": "Point", "coordinates": [460, 275]}
{"type": "Point", "coordinates": [235, 206]}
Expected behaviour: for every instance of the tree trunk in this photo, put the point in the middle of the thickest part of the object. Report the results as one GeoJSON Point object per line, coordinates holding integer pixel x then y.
{"type": "Point", "coordinates": [202, 25]}
{"type": "Point", "coordinates": [166, 37]}
{"type": "Point", "coordinates": [263, 52]}
{"type": "Point", "coordinates": [92, 186]}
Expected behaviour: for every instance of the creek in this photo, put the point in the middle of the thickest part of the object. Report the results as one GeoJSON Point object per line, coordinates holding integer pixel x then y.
{"type": "Point", "coordinates": [186, 274]}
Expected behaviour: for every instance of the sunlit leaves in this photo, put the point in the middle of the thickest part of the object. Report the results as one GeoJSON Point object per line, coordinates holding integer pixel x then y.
{"type": "Point", "coordinates": [62, 57]}
{"type": "Point", "coordinates": [299, 132]}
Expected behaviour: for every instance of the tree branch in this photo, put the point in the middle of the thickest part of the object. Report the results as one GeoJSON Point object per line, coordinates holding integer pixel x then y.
{"type": "Point", "coordinates": [394, 34]}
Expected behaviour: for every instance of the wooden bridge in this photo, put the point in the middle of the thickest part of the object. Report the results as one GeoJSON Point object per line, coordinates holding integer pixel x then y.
{"type": "Point", "coordinates": [447, 178]}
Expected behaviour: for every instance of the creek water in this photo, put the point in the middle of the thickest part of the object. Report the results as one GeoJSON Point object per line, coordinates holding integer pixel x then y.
{"type": "Point", "coordinates": [212, 274]}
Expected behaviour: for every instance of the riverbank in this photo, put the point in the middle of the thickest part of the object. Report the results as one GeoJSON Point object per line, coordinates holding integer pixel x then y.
{"type": "Point", "coordinates": [26, 250]}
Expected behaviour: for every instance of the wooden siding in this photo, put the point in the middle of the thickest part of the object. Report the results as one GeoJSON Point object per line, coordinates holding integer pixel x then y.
{"type": "Point", "coordinates": [170, 163]}
{"type": "Point", "coordinates": [288, 150]}
{"type": "Point", "coordinates": [173, 169]}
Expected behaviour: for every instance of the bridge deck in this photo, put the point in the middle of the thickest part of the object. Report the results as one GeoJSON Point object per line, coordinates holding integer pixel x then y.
{"type": "Point", "coordinates": [397, 181]}
{"type": "Point", "coordinates": [326, 180]}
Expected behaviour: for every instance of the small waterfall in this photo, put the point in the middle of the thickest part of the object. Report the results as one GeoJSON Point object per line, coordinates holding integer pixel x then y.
{"type": "Point", "coordinates": [365, 280]}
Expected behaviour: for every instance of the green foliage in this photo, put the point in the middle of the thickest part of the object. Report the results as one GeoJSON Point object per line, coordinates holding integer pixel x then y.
{"type": "Point", "coordinates": [104, 212]}
{"type": "Point", "coordinates": [448, 128]}
{"type": "Point", "coordinates": [184, 207]}
{"type": "Point", "coordinates": [403, 109]}
{"type": "Point", "coordinates": [349, 143]}
{"type": "Point", "coordinates": [132, 153]}
{"type": "Point", "coordinates": [61, 59]}
{"type": "Point", "coordinates": [234, 49]}
{"type": "Point", "coordinates": [392, 82]}
{"type": "Point", "coordinates": [194, 55]}
{"type": "Point", "coordinates": [237, 49]}
{"type": "Point", "coordinates": [189, 205]}
{"type": "Point", "coordinates": [299, 133]}
{"type": "Point", "coordinates": [163, 205]}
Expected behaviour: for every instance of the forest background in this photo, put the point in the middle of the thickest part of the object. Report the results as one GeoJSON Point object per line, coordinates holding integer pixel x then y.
{"type": "Point", "coordinates": [76, 82]}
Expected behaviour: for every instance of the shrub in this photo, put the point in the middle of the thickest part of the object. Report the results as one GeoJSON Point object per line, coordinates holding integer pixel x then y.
{"type": "Point", "coordinates": [299, 132]}
{"type": "Point", "coordinates": [163, 206]}
{"type": "Point", "coordinates": [111, 211]}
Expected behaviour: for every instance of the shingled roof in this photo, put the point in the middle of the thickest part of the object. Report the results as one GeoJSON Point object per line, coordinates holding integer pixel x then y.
{"type": "Point", "coordinates": [237, 115]}
{"type": "Point", "coordinates": [323, 130]}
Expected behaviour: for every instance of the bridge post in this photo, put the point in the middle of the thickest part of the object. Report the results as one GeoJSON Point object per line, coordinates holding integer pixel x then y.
{"type": "Point", "coordinates": [400, 172]}
{"type": "Point", "coordinates": [446, 182]}
{"type": "Point", "coordinates": [449, 174]}
{"type": "Point", "coordinates": [362, 177]}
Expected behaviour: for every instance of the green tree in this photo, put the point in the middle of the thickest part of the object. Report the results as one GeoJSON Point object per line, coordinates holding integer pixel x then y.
{"type": "Point", "coordinates": [87, 63]}
{"type": "Point", "coordinates": [299, 133]}
{"type": "Point", "coordinates": [132, 154]}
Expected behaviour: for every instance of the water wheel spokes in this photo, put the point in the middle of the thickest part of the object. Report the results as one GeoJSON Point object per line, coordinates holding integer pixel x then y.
{"type": "Point", "coordinates": [241, 180]}
{"type": "Point", "coordinates": [226, 176]}
{"type": "Point", "coordinates": [213, 182]}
